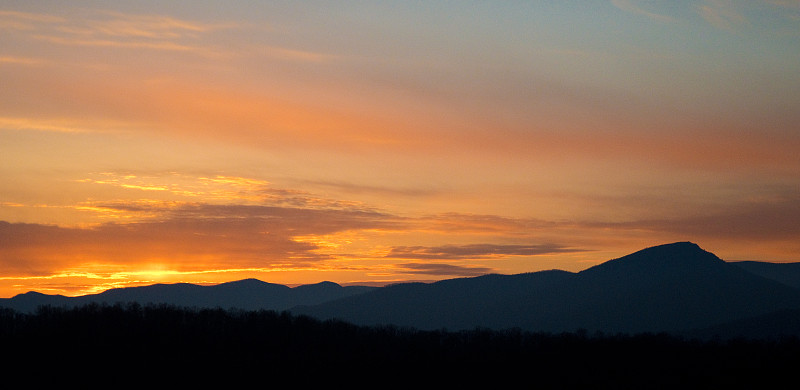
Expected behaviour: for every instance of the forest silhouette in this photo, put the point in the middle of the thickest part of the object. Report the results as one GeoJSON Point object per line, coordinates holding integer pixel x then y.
{"type": "Point", "coordinates": [204, 346]}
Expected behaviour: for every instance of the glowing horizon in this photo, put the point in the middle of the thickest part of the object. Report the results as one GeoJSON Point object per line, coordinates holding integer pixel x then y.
{"type": "Point", "coordinates": [380, 142]}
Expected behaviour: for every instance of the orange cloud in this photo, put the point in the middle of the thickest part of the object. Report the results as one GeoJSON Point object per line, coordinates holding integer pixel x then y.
{"type": "Point", "coordinates": [449, 270]}
{"type": "Point", "coordinates": [191, 237]}
{"type": "Point", "coordinates": [773, 218]}
{"type": "Point", "coordinates": [15, 60]}
{"type": "Point", "coordinates": [333, 107]}
{"type": "Point", "coordinates": [475, 251]}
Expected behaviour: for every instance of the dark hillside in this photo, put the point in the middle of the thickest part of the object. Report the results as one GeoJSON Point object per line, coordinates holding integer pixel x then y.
{"type": "Point", "coordinates": [786, 273]}
{"type": "Point", "coordinates": [492, 301]}
{"type": "Point", "coordinates": [677, 286]}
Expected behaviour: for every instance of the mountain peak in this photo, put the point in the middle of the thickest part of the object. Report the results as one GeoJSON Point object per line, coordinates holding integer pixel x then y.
{"type": "Point", "coordinates": [667, 259]}
{"type": "Point", "coordinates": [675, 252]}
{"type": "Point", "coordinates": [251, 284]}
{"type": "Point", "coordinates": [680, 245]}
{"type": "Point", "coordinates": [31, 294]}
{"type": "Point", "coordinates": [247, 282]}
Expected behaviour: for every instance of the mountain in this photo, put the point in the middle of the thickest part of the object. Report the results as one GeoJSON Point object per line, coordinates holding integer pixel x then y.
{"type": "Point", "coordinates": [29, 301]}
{"type": "Point", "coordinates": [676, 287]}
{"type": "Point", "coordinates": [786, 273]}
{"type": "Point", "coordinates": [247, 294]}
{"type": "Point", "coordinates": [664, 288]}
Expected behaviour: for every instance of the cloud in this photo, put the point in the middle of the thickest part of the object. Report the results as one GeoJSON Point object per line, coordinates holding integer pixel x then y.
{"type": "Point", "coordinates": [441, 269]}
{"type": "Point", "coordinates": [110, 29]}
{"type": "Point", "coordinates": [475, 251]}
{"type": "Point", "coordinates": [16, 60]}
{"type": "Point", "coordinates": [269, 117]}
{"type": "Point", "coordinates": [26, 21]}
{"type": "Point", "coordinates": [727, 15]}
{"type": "Point", "coordinates": [288, 54]}
{"type": "Point", "coordinates": [772, 218]}
{"type": "Point", "coordinates": [795, 4]}
{"type": "Point", "coordinates": [373, 189]}
{"type": "Point", "coordinates": [61, 125]}
{"type": "Point", "coordinates": [635, 7]}
{"type": "Point", "coordinates": [451, 222]}
{"type": "Point", "coordinates": [38, 125]}
{"type": "Point", "coordinates": [143, 26]}
{"type": "Point", "coordinates": [205, 188]}
{"type": "Point", "coordinates": [185, 237]}
{"type": "Point", "coordinates": [722, 14]}
{"type": "Point", "coordinates": [158, 45]}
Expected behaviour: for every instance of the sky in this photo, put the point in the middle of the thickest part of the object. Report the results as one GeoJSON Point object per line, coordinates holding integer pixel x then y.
{"type": "Point", "coordinates": [375, 142]}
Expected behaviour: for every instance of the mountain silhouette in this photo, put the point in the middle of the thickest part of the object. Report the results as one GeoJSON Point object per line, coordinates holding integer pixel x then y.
{"type": "Point", "coordinates": [29, 301]}
{"type": "Point", "coordinates": [665, 288]}
{"type": "Point", "coordinates": [678, 286]}
{"type": "Point", "coordinates": [786, 273]}
{"type": "Point", "coordinates": [247, 294]}
{"type": "Point", "coordinates": [675, 287]}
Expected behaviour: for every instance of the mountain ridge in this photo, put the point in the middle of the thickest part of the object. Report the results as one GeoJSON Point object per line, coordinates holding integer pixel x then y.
{"type": "Point", "coordinates": [669, 287]}
{"type": "Point", "coordinates": [673, 287]}
{"type": "Point", "coordinates": [245, 294]}
{"type": "Point", "coordinates": [786, 273]}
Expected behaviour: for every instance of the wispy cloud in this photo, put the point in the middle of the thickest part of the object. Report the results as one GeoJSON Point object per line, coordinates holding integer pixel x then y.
{"type": "Point", "coordinates": [766, 218]}
{"type": "Point", "coordinates": [183, 237]}
{"type": "Point", "coordinates": [288, 54]}
{"type": "Point", "coordinates": [463, 223]}
{"type": "Point", "coordinates": [728, 15]}
{"type": "Point", "coordinates": [437, 269]}
{"type": "Point", "coordinates": [16, 60]}
{"type": "Point", "coordinates": [62, 125]}
{"type": "Point", "coordinates": [119, 24]}
{"type": "Point", "coordinates": [373, 189]}
{"type": "Point", "coordinates": [155, 45]}
{"type": "Point", "coordinates": [25, 21]}
{"type": "Point", "coordinates": [476, 251]}
{"type": "Point", "coordinates": [118, 30]}
{"type": "Point", "coordinates": [214, 188]}
{"type": "Point", "coordinates": [785, 3]}
{"type": "Point", "coordinates": [636, 7]}
{"type": "Point", "coordinates": [722, 14]}
{"type": "Point", "coordinates": [111, 29]}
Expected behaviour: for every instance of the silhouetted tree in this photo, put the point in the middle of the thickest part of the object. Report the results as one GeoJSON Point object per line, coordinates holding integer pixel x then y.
{"type": "Point", "coordinates": [198, 345]}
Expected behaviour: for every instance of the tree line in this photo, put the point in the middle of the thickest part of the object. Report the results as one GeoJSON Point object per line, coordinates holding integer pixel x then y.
{"type": "Point", "coordinates": [189, 344]}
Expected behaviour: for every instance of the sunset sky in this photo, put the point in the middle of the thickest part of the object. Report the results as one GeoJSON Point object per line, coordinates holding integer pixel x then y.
{"type": "Point", "coordinates": [382, 141]}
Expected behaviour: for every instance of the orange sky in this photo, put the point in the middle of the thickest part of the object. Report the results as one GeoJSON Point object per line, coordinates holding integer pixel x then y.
{"type": "Point", "coordinates": [376, 142]}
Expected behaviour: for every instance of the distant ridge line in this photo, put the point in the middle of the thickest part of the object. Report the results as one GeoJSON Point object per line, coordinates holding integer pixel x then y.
{"type": "Point", "coordinates": [673, 287]}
